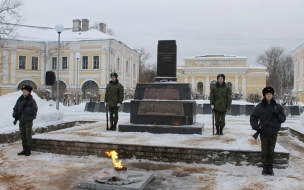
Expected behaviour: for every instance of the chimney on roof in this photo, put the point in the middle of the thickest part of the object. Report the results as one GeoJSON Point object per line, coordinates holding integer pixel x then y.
{"type": "Point", "coordinates": [85, 25]}
{"type": "Point", "coordinates": [76, 25]}
{"type": "Point", "coordinates": [103, 27]}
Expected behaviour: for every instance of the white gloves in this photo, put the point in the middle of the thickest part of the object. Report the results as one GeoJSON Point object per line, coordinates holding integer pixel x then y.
{"type": "Point", "coordinates": [212, 106]}
{"type": "Point", "coordinates": [118, 105]}
{"type": "Point", "coordinates": [106, 104]}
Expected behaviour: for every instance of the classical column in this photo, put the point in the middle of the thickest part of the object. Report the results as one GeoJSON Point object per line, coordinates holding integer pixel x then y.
{"type": "Point", "coordinates": [193, 83]}
{"type": "Point", "coordinates": [5, 67]}
{"type": "Point", "coordinates": [13, 67]}
{"type": "Point", "coordinates": [236, 84]}
{"type": "Point", "coordinates": [103, 63]}
{"type": "Point", "coordinates": [207, 86]}
{"type": "Point", "coordinates": [244, 86]}
{"type": "Point", "coordinates": [185, 79]}
{"type": "Point", "coordinates": [72, 70]}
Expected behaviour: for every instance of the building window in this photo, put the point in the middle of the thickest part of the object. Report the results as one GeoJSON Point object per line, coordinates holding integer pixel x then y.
{"type": "Point", "coordinates": [134, 69]}
{"type": "Point", "coordinates": [127, 67]}
{"type": "Point", "coordinates": [200, 87]}
{"type": "Point", "coordinates": [22, 60]}
{"type": "Point", "coordinates": [64, 63]}
{"type": "Point", "coordinates": [96, 62]}
{"type": "Point", "coordinates": [34, 63]}
{"type": "Point", "coordinates": [85, 62]}
{"type": "Point", "coordinates": [54, 63]}
{"type": "Point", "coordinates": [118, 64]}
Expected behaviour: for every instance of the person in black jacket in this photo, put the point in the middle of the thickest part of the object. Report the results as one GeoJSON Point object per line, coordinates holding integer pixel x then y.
{"type": "Point", "coordinates": [25, 111]}
{"type": "Point", "coordinates": [268, 108]}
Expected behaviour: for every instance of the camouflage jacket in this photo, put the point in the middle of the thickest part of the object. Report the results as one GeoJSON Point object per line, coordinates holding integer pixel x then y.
{"type": "Point", "coordinates": [114, 93]}
{"type": "Point", "coordinates": [220, 97]}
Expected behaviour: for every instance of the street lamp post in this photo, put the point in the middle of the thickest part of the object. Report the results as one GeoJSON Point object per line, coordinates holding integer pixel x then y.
{"type": "Point", "coordinates": [59, 28]}
{"type": "Point", "coordinates": [77, 57]}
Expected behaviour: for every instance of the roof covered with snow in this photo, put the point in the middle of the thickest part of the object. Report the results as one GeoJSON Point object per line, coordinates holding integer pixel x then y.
{"type": "Point", "coordinates": [41, 34]}
{"type": "Point", "coordinates": [216, 56]}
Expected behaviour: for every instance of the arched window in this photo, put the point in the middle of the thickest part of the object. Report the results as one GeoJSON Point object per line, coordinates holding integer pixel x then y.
{"type": "Point", "coordinates": [62, 90]}
{"type": "Point", "coordinates": [200, 87]}
{"type": "Point", "coordinates": [89, 88]}
{"type": "Point", "coordinates": [28, 82]}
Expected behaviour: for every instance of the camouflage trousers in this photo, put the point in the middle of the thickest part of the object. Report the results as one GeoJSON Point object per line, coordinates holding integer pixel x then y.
{"type": "Point", "coordinates": [267, 146]}
{"type": "Point", "coordinates": [220, 119]}
{"type": "Point", "coordinates": [113, 114]}
{"type": "Point", "coordinates": [25, 129]}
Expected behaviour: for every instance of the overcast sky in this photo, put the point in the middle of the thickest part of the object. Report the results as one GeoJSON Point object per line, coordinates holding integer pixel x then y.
{"type": "Point", "coordinates": [237, 27]}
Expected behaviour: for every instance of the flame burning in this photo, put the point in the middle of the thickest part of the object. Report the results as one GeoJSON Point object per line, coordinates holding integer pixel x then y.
{"type": "Point", "coordinates": [114, 155]}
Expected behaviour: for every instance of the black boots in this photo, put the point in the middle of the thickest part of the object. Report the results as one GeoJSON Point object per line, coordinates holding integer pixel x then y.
{"type": "Point", "coordinates": [265, 169]}
{"type": "Point", "coordinates": [217, 130]}
{"type": "Point", "coordinates": [28, 150]}
{"type": "Point", "coordinates": [113, 126]}
{"type": "Point", "coordinates": [270, 169]}
{"type": "Point", "coordinates": [23, 151]}
{"type": "Point", "coordinates": [221, 131]}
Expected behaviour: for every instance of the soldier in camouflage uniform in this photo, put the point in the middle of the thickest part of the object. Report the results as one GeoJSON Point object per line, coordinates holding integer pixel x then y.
{"type": "Point", "coordinates": [113, 99]}
{"type": "Point", "coordinates": [25, 111]}
{"type": "Point", "coordinates": [220, 100]}
{"type": "Point", "coordinates": [269, 131]}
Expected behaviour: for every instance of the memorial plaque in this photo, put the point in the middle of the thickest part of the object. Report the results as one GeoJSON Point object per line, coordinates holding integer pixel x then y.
{"type": "Point", "coordinates": [161, 94]}
{"type": "Point", "coordinates": [161, 108]}
{"type": "Point", "coordinates": [166, 60]}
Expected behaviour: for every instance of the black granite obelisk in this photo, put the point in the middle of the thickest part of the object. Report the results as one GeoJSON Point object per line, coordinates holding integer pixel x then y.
{"type": "Point", "coordinates": [166, 61]}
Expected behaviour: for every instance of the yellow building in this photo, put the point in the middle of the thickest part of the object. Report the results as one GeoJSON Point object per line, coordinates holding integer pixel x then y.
{"type": "Point", "coordinates": [201, 72]}
{"type": "Point", "coordinates": [298, 57]}
{"type": "Point", "coordinates": [26, 59]}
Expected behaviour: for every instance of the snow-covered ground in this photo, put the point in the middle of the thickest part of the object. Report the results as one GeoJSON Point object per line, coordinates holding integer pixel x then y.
{"type": "Point", "coordinates": [51, 171]}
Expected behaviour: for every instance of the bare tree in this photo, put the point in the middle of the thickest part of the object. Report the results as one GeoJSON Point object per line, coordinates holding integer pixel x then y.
{"type": "Point", "coordinates": [10, 17]}
{"type": "Point", "coordinates": [148, 72]}
{"type": "Point", "coordinates": [280, 68]}
{"type": "Point", "coordinates": [144, 68]}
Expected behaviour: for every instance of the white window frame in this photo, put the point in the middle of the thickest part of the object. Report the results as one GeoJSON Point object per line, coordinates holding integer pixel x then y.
{"type": "Point", "coordinates": [134, 69]}
{"type": "Point", "coordinates": [19, 62]}
{"type": "Point", "coordinates": [98, 62]}
{"type": "Point", "coordinates": [66, 63]}
{"type": "Point", "coordinates": [37, 63]}
{"type": "Point", "coordinates": [82, 62]}
{"type": "Point", "coordinates": [56, 63]}
{"type": "Point", "coordinates": [127, 66]}
{"type": "Point", "coordinates": [118, 63]}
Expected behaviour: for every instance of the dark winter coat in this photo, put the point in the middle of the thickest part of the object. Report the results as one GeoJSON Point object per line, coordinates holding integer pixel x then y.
{"type": "Point", "coordinates": [262, 112]}
{"type": "Point", "coordinates": [30, 109]}
{"type": "Point", "coordinates": [114, 93]}
{"type": "Point", "coordinates": [220, 97]}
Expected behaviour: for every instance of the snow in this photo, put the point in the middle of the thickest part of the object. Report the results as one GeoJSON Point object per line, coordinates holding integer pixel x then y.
{"type": "Point", "coordinates": [52, 171]}
{"type": "Point", "coordinates": [49, 34]}
{"type": "Point", "coordinates": [46, 114]}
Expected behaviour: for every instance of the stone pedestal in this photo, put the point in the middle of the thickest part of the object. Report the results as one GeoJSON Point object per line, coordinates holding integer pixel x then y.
{"type": "Point", "coordinates": [110, 179]}
{"type": "Point", "coordinates": [163, 108]}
